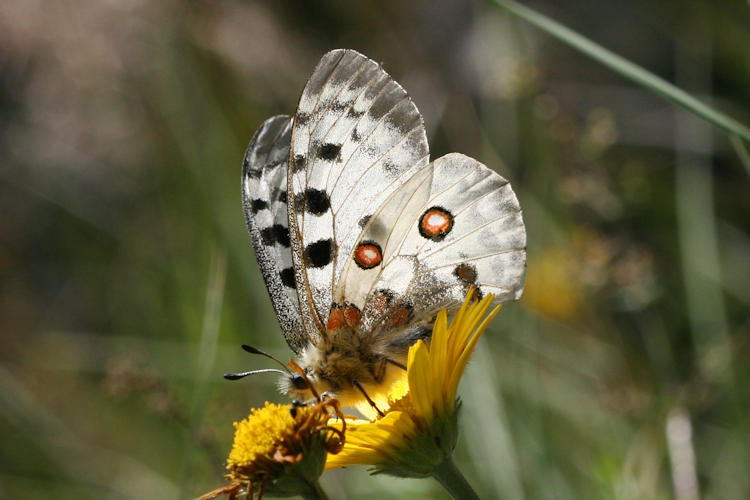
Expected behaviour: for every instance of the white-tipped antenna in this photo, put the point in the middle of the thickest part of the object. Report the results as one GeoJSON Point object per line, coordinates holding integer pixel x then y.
{"type": "Point", "coordinates": [253, 350]}
{"type": "Point", "coordinates": [237, 376]}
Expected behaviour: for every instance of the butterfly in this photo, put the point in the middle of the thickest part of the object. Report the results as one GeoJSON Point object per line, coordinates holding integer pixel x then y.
{"type": "Point", "coordinates": [360, 239]}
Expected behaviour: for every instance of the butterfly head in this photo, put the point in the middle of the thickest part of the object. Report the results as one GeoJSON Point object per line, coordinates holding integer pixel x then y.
{"type": "Point", "coordinates": [297, 386]}
{"type": "Point", "coordinates": [318, 376]}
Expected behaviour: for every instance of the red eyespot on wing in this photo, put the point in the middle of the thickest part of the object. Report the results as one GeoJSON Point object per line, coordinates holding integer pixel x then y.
{"type": "Point", "coordinates": [335, 318]}
{"type": "Point", "coordinates": [368, 255]}
{"type": "Point", "coordinates": [466, 273]}
{"type": "Point", "coordinates": [352, 315]}
{"type": "Point", "coordinates": [400, 316]}
{"type": "Point", "coordinates": [380, 300]}
{"type": "Point", "coordinates": [435, 223]}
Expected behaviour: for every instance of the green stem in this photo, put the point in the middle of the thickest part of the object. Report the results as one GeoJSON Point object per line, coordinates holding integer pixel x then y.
{"type": "Point", "coordinates": [315, 492]}
{"type": "Point", "coordinates": [626, 68]}
{"type": "Point", "coordinates": [448, 475]}
{"type": "Point", "coordinates": [741, 150]}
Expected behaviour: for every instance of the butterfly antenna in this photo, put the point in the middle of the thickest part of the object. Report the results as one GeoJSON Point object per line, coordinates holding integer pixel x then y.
{"type": "Point", "coordinates": [254, 350]}
{"type": "Point", "coordinates": [237, 376]}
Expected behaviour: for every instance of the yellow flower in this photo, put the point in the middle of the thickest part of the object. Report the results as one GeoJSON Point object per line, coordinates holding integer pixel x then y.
{"type": "Point", "coordinates": [280, 450]}
{"type": "Point", "coordinates": [419, 431]}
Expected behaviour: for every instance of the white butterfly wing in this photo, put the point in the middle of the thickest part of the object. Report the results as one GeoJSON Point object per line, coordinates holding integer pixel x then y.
{"type": "Point", "coordinates": [264, 198]}
{"type": "Point", "coordinates": [356, 138]}
{"type": "Point", "coordinates": [482, 244]}
{"type": "Point", "coordinates": [368, 223]}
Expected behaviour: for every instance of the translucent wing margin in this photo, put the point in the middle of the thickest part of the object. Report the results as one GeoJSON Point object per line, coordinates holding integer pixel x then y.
{"type": "Point", "coordinates": [356, 138]}
{"type": "Point", "coordinates": [264, 198]}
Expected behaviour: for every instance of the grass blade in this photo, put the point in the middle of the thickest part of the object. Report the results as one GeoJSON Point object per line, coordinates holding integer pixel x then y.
{"type": "Point", "coordinates": [626, 68]}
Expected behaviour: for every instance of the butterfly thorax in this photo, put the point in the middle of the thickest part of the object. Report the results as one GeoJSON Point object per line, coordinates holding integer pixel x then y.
{"type": "Point", "coordinates": [336, 364]}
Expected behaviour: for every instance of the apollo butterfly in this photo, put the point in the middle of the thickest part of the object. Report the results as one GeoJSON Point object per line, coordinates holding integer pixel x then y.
{"type": "Point", "coordinates": [361, 240]}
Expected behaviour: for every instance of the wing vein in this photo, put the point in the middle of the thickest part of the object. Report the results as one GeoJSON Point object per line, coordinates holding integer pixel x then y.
{"type": "Point", "coordinates": [317, 102]}
{"type": "Point", "coordinates": [432, 197]}
{"type": "Point", "coordinates": [365, 88]}
{"type": "Point", "coordinates": [470, 259]}
{"type": "Point", "coordinates": [377, 124]}
{"type": "Point", "coordinates": [489, 174]}
{"type": "Point", "coordinates": [333, 99]}
{"type": "Point", "coordinates": [369, 167]}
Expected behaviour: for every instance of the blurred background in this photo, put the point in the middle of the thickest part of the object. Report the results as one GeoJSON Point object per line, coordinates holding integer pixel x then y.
{"type": "Point", "coordinates": [127, 280]}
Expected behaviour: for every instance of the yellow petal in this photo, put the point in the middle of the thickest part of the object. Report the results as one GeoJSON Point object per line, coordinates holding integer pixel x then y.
{"type": "Point", "coordinates": [422, 387]}
{"type": "Point", "coordinates": [426, 414]}
{"type": "Point", "coordinates": [463, 360]}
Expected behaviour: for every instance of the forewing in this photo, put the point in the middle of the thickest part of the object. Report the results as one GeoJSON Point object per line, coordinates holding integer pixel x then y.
{"type": "Point", "coordinates": [422, 272]}
{"type": "Point", "coordinates": [356, 138]}
{"type": "Point", "coordinates": [264, 197]}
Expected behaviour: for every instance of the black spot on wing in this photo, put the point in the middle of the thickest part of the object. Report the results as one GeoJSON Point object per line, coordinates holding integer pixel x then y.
{"type": "Point", "coordinates": [363, 221]}
{"type": "Point", "coordinates": [316, 201]}
{"type": "Point", "coordinates": [280, 195]}
{"type": "Point", "coordinates": [402, 118]}
{"type": "Point", "coordinates": [298, 163]}
{"type": "Point", "coordinates": [379, 108]}
{"type": "Point", "coordinates": [319, 253]}
{"type": "Point", "coordinates": [299, 201]}
{"type": "Point", "coordinates": [287, 277]}
{"type": "Point", "coordinates": [339, 106]}
{"type": "Point", "coordinates": [313, 201]}
{"type": "Point", "coordinates": [355, 135]}
{"type": "Point", "coordinates": [301, 118]}
{"type": "Point", "coordinates": [329, 151]}
{"type": "Point", "coordinates": [354, 113]}
{"type": "Point", "coordinates": [282, 235]}
{"type": "Point", "coordinates": [257, 205]}
{"type": "Point", "coordinates": [391, 168]}
{"type": "Point", "coordinates": [275, 234]}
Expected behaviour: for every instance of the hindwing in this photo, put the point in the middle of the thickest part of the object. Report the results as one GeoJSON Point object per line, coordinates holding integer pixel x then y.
{"type": "Point", "coordinates": [452, 225]}
{"type": "Point", "coordinates": [264, 198]}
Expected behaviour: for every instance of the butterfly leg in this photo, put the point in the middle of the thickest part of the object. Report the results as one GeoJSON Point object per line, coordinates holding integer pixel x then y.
{"type": "Point", "coordinates": [296, 403]}
{"type": "Point", "coordinates": [324, 397]}
{"type": "Point", "coordinates": [395, 363]}
{"type": "Point", "coordinates": [367, 397]}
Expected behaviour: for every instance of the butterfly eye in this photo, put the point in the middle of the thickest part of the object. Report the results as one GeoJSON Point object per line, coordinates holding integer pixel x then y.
{"type": "Point", "coordinates": [299, 382]}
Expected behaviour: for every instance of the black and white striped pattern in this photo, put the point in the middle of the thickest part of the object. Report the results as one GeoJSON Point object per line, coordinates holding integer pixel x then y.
{"type": "Point", "coordinates": [264, 197]}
